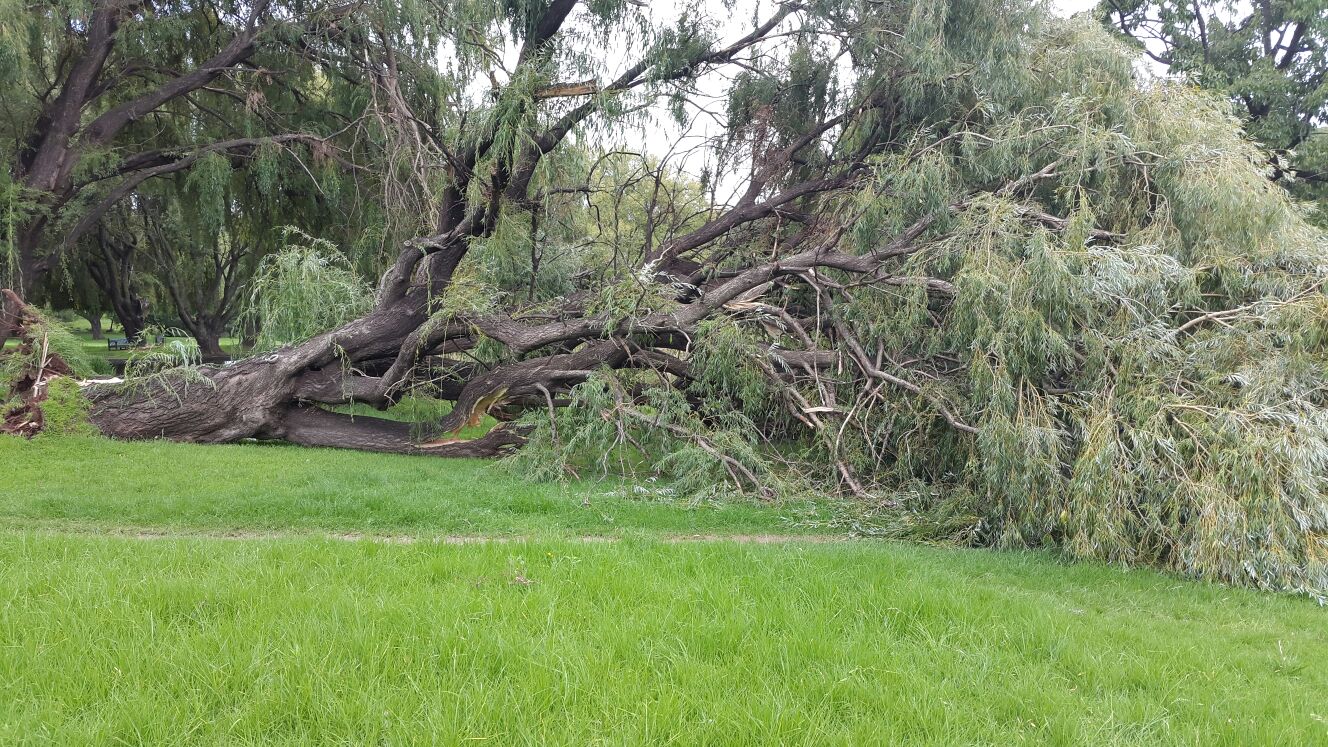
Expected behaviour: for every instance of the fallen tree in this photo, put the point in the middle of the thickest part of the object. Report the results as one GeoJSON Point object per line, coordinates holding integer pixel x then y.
{"type": "Point", "coordinates": [280, 395]}
{"type": "Point", "coordinates": [987, 282]}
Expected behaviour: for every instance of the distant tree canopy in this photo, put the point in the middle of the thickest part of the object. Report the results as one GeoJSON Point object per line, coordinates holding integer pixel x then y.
{"type": "Point", "coordinates": [1270, 57]}
{"type": "Point", "coordinates": [973, 274]}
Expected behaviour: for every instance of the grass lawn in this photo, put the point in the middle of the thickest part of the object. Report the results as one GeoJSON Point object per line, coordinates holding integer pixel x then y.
{"type": "Point", "coordinates": [95, 483]}
{"type": "Point", "coordinates": [285, 634]}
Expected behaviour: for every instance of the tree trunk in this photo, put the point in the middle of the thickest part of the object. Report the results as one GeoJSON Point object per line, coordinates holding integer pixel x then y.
{"type": "Point", "coordinates": [282, 396]}
{"type": "Point", "coordinates": [208, 336]}
{"type": "Point", "coordinates": [113, 273]}
{"type": "Point", "coordinates": [209, 345]}
{"type": "Point", "coordinates": [285, 395]}
{"type": "Point", "coordinates": [132, 313]}
{"type": "Point", "coordinates": [94, 325]}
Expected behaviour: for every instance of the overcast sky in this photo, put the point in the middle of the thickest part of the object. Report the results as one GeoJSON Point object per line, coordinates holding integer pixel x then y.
{"type": "Point", "coordinates": [1070, 7]}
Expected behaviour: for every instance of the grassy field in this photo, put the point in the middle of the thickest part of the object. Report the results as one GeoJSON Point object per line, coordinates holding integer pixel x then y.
{"type": "Point", "coordinates": [167, 594]}
{"type": "Point", "coordinates": [94, 482]}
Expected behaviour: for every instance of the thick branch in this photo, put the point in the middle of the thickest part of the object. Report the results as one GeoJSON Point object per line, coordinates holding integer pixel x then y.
{"type": "Point", "coordinates": [104, 128]}
{"type": "Point", "coordinates": [311, 426]}
{"type": "Point", "coordinates": [131, 182]}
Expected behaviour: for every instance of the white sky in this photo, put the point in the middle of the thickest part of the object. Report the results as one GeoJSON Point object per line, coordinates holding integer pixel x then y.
{"type": "Point", "coordinates": [1070, 7]}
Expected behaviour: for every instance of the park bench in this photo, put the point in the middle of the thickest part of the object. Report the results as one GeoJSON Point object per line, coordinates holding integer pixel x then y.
{"type": "Point", "coordinates": [124, 343]}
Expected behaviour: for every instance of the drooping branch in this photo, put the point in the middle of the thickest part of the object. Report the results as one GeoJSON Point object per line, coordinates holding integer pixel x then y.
{"type": "Point", "coordinates": [105, 127]}
{"type": "Point", "coordinates": [236, 148]}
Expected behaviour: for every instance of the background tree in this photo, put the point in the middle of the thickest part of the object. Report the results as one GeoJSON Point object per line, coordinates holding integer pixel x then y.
{"type": "Point", "coordinates": [97, 92]}
{"type": "Point", "coordinates": [203, 276]}
{"type": "Point", "coordinates": [206, 232]}
{"type": "Point", "coordinates": [1270, 57]}
{"type": "Point", "coordinates": [111, 256]}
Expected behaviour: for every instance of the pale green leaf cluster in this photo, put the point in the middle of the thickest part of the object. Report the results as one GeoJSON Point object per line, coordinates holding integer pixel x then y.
{"type": "Point", "coordinates": [302, 290]}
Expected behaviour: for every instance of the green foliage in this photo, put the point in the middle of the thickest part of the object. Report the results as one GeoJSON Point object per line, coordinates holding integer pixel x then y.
{"type": "Point", "coordinates": [729, 362]}
{"type": "Point", "coordinates": [1269, 59]}
{"type": "Point", "coordinates": [208, 189]}
{"type": "Point", "coordinates": [789, 100]}
{"type": "Point", "coordinates": [176, 352]}
{"type": "Point", "coordinates": [633, 207]}
{"type": "Point", "coordinates": [1116, 424]}
{"type": "Point", "coordinates": [603, 432]}
{"type": "Point", "coordinates": [65, 410]}
{"type": "Point", "coordinates": [631, 296]}
{"type": "Point", "coordinates": [302, 290]}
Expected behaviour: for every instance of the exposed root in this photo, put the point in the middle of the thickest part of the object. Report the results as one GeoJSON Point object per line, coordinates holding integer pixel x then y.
{"type": "Point", "coordinates": [28, 388]}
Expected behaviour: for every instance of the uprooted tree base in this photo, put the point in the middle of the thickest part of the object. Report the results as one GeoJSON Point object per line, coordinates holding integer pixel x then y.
{"type": "Point", "coordinates": [37, 365]}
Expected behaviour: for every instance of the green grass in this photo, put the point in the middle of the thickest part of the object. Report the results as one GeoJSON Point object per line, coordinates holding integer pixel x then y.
{"type": "Point", "coordinates": [97, 482]}
{"type": "Point", "coordinates": [326, 642]}
{"type": "Point", "coordinates": [282, 634]}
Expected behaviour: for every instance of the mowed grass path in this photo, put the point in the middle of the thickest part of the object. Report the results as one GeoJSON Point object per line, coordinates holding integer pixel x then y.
{"type": "Point", "coordinates": [551, 639]}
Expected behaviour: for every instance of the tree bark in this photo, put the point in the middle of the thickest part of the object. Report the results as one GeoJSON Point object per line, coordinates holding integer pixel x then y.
{"type": "Point", "coordinates": [94, 325]}
{"type": "Point", "coordinates": [204, 310]}
{"type": "Point", "coordinates": [207, 332]}
{"type": "Point", "coordinates": [209, 344]}
{"type": "Point", "coordinates": [113, 273]}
